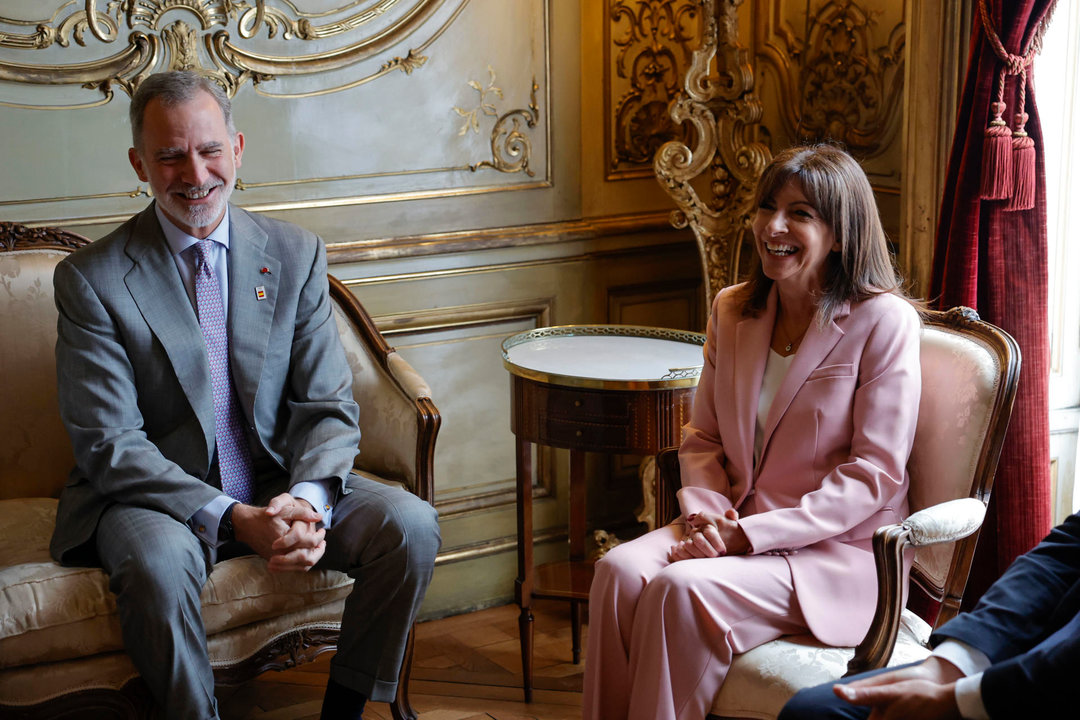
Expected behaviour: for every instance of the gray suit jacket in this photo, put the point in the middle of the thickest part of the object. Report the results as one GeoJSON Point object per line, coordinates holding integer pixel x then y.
{"type": "Point", "coordinates": [134, 380]}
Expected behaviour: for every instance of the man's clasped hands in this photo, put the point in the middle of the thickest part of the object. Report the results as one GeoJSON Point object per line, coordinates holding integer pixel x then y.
{"type": "Point", "coordinates": [285, 533]}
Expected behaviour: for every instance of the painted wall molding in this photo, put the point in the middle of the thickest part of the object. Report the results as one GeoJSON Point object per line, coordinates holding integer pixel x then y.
{"type": "Point", "coordinates": [319, 136]}
{"type": "Point", "coordinates": [197, 35]}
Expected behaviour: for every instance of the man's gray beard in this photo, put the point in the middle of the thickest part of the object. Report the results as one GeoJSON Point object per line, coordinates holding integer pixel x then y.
{"type": "Point", "coordinates": [198, 217]}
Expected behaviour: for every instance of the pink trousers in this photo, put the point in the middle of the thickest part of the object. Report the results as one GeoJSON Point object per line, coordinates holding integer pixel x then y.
{"type": "Point", "coordinates": [662, 634]}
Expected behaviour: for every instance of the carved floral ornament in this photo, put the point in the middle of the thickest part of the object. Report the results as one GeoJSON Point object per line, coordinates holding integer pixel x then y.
{"type": "Point", "coordinates": [648, 49]}
{"type": "Point", "coordinates": [130, 39]}
{"type": "Point", "coordinates": [511, 148]}
{"type": "Point", "coordinates": [843, 70]}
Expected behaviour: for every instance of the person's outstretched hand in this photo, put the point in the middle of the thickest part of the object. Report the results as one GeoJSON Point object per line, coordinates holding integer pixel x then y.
{"type": "Point", "coordinates": [926, 691]}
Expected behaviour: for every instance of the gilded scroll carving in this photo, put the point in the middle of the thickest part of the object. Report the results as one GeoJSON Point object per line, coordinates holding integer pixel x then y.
{"type": "Point", "coordinates": [652, 42]}
{"type": "Point", "coordinates": [844, 74]}
{"type": "Point", "coordinates": [299, 24]}
{"type": "Point", "coordinates": [149, 13]}
{"type": "Point", "coordinates": [723, 111]}
{"type": "Point", "coordinates": [511, 147]}
{"type": "Point", "coordinates": [357, 31]}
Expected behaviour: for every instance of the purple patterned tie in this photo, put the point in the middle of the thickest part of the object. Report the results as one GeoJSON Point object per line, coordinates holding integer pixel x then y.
{"type": "Point", "coordinates": [234, 456]}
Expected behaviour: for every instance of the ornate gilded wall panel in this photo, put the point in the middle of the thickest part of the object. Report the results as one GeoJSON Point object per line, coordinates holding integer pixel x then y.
{"type": "Point", "coordinates": [648, 46]}
{"type": "Point", "coordinates": [834, 69]}
{"type": "Point", "coordinates": [341, 102]}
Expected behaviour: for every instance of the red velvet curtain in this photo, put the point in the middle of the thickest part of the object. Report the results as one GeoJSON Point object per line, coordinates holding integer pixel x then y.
{"type": "Point", "coordinates": [994, 260]}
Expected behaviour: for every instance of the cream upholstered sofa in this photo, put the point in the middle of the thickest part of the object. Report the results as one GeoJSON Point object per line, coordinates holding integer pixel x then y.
{"type": "Point", "coordinates": [61, 653]}
{"type": "Point", "coordinates": [970, 371]}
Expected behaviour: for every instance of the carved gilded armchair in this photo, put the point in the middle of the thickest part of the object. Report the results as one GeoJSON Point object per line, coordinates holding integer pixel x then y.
{"type": "Point", "coordinates": [60, 648]}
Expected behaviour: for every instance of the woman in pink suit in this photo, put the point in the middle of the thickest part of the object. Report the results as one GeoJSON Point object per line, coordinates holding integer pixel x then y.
{"type": "Point", "coordinates": [795, 453]}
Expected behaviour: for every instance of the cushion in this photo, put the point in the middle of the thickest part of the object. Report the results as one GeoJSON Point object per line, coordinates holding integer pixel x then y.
{"type": "Point", "coordinates": [959, 376]}
{"type": "Point", "coordinates": [50, 613]}
{"type": "Point", "coordinates": [763, 679]}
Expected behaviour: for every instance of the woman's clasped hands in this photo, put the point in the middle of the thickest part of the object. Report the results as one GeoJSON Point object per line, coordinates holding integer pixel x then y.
{"type": "Point", "coordinates": [708, 536]}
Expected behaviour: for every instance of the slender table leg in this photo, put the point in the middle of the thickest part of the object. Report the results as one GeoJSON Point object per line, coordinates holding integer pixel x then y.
{"type": "Point", "coordinates": [577, 540]}
{"type": "Point", "coordinates": [525, 630]}
{"type": "Point", "coordinates": [524, 584]}
{"type": "Point", "coordinates": [575, 628]}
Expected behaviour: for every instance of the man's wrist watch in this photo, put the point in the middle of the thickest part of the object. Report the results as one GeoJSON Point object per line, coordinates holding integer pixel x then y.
{"type": "Point", "coordinates": [225, 532]}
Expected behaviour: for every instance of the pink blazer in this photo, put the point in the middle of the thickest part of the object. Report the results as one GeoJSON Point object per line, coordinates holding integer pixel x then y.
{"type": "Point", "coordinates": [836, 445]}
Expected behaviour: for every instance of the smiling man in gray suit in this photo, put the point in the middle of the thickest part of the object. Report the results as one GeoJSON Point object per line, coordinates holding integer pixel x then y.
{"type": "Point", "coordinates": [209, 404]}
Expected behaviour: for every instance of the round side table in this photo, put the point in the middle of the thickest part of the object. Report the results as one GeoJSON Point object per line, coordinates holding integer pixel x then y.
{"type": "Point", "coordinates": [616, 389]}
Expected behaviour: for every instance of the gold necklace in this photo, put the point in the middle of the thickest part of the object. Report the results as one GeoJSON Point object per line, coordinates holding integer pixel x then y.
{"type": "Point", "coordinates": [792, 341]}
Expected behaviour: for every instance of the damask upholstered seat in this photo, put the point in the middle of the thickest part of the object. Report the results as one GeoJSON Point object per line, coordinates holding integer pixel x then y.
{"type": "Point", "coordinates": [970, 370]}
{"type": "Point", "coordinates": [60, 645]}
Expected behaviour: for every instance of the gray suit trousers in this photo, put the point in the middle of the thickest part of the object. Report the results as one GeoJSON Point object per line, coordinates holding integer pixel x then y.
{"type": "Point", "coordinates": [384, 537]}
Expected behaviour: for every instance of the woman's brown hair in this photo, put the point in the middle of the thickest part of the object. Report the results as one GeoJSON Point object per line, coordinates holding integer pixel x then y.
{"type": "Point", "coordinates": [837, 186]}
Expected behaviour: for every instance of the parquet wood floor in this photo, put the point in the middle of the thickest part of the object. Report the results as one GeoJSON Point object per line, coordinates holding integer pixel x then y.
{"type": "Point", "coordinates": [466, 667]}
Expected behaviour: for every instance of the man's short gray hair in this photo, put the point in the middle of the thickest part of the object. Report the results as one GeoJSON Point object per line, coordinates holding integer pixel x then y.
{"type": "Point", "coordinates": [174, 88]}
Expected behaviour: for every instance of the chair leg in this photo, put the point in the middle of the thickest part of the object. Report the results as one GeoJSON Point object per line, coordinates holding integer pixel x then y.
{"type": "Point", "coordinates": [401, 708]}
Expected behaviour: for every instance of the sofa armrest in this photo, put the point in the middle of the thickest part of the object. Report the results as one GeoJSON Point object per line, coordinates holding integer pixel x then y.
{"type": "Point", "coordinates": [410, 381]}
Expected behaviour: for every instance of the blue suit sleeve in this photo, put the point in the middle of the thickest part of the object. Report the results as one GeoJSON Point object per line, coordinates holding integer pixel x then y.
{"type": "Point", "coordinates": [1028, 625]}
{"type": "Point", "coordinates": [1037, 683]}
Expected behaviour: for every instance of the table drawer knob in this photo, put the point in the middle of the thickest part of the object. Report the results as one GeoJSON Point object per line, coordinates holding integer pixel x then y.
{"type": "Point", "coordinates": [577, 403]}
{"type": "Point", "coordinates": [577, 433]}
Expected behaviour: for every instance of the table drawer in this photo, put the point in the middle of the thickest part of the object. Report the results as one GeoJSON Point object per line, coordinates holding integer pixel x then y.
{"type": "Point", "coordinates": [568, 433]}
{"type": "Point", "coordinates": [611, 407]}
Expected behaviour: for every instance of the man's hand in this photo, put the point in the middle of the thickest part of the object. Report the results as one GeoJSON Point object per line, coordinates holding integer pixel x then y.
{"type": "Point", "coordinates": [709, 535]}
{"type": "Point", "coordinates": [284, 532]}
{"type": "Point", "coordinates": [926, 691]}
{"type": "Point", "coordinates": [304, 543]}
